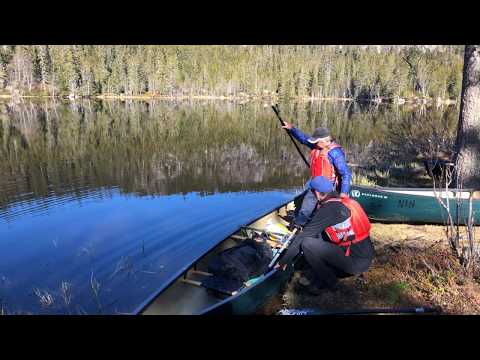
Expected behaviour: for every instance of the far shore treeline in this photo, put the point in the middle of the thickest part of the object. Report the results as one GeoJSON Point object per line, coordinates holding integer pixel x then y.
{"type": "Point", "coordinates": [381, 73]}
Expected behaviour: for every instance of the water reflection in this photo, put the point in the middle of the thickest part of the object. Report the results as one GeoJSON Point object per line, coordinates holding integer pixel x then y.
{"type": "Point", "coordinates": [151, 148]}
{"type": "Point", "coordinates": [140, 148]}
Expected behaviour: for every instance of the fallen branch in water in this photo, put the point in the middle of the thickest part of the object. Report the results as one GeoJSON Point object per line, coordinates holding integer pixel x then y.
{"type": "Point", "coordinates": [46, 299]}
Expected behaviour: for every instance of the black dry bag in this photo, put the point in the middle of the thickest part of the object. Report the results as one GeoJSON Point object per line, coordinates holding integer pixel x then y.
{"type": "Point", "coordinates": [234, 266]}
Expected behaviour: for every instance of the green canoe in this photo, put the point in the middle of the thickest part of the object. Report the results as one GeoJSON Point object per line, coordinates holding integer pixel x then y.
{"type": "Point", "coordinates": [416, 205]}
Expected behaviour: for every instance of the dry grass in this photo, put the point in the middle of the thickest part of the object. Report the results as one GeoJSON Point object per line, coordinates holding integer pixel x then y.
{"type": "Point", "coordinates": [413, 267]}
{"type": "Point", "coordinates": [360, 179]}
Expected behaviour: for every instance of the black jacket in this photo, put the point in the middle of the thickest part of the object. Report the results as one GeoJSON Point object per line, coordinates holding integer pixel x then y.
{"type": "Point", "coordinates": [327, 214]}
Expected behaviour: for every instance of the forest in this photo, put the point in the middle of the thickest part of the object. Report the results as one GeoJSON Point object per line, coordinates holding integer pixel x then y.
{"type": "Point", "coordinates": [382, 73]}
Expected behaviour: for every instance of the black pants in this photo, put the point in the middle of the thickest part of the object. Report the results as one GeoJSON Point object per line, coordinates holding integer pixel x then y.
{"type": "Point", "coordinates": [329, 262]}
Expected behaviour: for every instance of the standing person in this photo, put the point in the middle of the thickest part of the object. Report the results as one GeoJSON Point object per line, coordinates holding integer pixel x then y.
{"type": "Point", "coordinates": [336, 242]}
{"type": "Point", "coordinates": [327, 158]}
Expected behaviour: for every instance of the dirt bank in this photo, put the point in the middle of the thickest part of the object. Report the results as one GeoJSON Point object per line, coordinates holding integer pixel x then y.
{"type": "Point", "coordinates": [412, 267]}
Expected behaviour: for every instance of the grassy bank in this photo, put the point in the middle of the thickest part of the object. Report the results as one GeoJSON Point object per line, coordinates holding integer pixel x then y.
{"type": "Point", "coordinates": [412, 267]}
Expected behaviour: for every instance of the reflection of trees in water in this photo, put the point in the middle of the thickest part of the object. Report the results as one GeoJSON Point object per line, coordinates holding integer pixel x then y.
{"type": "Point", "coordinates": [163, 148]}
{"type": "Point", "coordinates": [411, 137]}
{"type": "Point", "coordinates": [142, 148]}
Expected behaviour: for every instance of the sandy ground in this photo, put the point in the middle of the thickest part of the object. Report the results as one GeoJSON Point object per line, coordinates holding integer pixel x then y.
{"type": "Point", "coordinates": [413, 267]}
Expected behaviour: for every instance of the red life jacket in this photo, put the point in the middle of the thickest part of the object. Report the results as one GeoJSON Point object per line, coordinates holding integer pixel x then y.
{"type": "Point", "coordinates": [354, 229]}
{"type": "Point", "coordinates": [321, 165]}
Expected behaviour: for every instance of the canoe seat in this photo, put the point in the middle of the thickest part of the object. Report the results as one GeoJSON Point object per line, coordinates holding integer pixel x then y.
{"type": "Point", "coordinates": [476, 195]}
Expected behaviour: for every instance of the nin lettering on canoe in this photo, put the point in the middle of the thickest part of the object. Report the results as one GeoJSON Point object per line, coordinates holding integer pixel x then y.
{"type": "Point", "coordinates": [409, 204]}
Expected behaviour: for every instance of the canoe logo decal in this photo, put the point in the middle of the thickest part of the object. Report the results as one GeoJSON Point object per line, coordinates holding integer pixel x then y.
{"type": "Point", "coordinates": [357, 194]}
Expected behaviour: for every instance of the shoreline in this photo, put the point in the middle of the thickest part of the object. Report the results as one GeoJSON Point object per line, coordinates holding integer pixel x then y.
{"type": "Point", "coordinates": [245, 98]}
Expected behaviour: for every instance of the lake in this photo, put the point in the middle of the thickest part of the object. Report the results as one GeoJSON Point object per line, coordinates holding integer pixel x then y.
{"type": "Point", "coordinates": [103, 203]}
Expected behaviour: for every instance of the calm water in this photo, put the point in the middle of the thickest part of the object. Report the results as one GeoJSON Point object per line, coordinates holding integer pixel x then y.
{"type": "Point", "coordinates": [102, 203]}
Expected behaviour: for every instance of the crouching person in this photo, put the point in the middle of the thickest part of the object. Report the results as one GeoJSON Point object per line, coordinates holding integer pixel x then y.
{"type": "Point", "coordinates": [335, 242]}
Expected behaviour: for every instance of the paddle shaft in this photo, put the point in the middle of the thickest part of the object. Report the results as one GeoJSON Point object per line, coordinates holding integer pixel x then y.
{"type": "Point", "coordinates": [263, 231]}
{"type": "Point", "coordinates": [416, 310]}
{"type": "Point", "coordinates": [284, 246]}
{"type": "Point", "coordinates": [291, 137]}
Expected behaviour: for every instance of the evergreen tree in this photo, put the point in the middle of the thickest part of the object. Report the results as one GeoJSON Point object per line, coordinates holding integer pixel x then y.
{"type": "Point", "coordinates": [291, 71]}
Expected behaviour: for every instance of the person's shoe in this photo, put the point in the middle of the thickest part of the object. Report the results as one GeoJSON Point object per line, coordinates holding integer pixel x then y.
{"type": "Point", "coordinates": [304, 281]}
{"type": "Point", "coordinates": [292, 226]}
{"type": "Point", "coordinates": [360, 280]}
{"type": "Point", "coordinates": [314, 289]}
{"type": "Point", "coordinates": [287, 218]}
{"type": "Point", "coordinates": [301, 284]}
{"type": "Point", "coordinates": [304, 284]}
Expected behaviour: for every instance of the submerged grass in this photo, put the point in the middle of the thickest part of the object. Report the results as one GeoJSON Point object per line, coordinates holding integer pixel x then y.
{"type": "Point", "coordinates": [45, 298]}
{"type": "Point", "coordinates": [66, 293]}
{"type": "Point", "coordinates": [95, 285]}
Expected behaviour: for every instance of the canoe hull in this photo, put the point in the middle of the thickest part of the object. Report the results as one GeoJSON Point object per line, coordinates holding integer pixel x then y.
{"type": "Point", "coordinates": [383, 204]}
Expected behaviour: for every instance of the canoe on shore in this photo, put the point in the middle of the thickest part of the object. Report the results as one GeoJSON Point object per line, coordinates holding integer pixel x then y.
{"type": "Point", "coordinates": [188, 295]}
{"type": "Point", "coordinates": [417, 205]}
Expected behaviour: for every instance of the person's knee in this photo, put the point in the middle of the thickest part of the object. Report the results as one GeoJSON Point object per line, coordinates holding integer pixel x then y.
{"type": "Point", "coordinates": [310, 202]}
{"type": "Point", "coordinates": [309, 243]}
{"type": "Point", "coordinates": [314, 245]}
{"type": "Point", "coordinates": [307, 207]}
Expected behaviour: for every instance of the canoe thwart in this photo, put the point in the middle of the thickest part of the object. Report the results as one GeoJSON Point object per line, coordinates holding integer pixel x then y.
{"type": "Point", "coordinates": [201, 273]}
{"type": "Point", "coordinates": [192, 282]}
{"type": "Point", "coordinates": [200, 284]}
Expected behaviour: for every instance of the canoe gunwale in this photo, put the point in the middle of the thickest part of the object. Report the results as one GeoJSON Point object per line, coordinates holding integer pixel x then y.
{"type": "Point", "coordinates": [242, 292]}
{"type": "Point", "coordinates": [407, 189]}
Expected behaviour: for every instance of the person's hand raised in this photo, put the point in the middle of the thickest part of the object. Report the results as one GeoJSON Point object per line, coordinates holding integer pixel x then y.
{"type": "Point", "coordinates": [287, 125]}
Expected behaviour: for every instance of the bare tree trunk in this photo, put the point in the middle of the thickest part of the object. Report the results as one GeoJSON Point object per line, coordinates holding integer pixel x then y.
{"type": "Point", "coordinates": [468, 134]}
